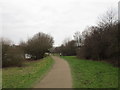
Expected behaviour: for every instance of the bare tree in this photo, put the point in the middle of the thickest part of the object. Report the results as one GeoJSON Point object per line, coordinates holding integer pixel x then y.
{"type": "Point", "coordinates": [78, 38]}
{"type": "Point", "coordinates": [66, 40]}
{"type": "Point", "coordinates": [108, 19]}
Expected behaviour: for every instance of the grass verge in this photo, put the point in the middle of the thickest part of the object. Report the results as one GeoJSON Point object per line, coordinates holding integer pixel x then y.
{"type": "Point", "coordinates": [25, 77]}
{"type": "Point", "coordinates": [92, 74]}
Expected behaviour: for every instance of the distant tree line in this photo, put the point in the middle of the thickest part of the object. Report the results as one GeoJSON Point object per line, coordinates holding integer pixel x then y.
{"type": "Point", "coordinates": [100, 42]}
{"type": "Point", "coordinates": [36, 47]}
{"type": "Point", "coordinates": [68, 48]}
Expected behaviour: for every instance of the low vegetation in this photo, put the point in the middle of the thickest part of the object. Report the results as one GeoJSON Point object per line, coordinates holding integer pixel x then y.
{"type": "Point", "coordinates": [92, 74]}
{"type": "Point", "coordinates": [12, 55]}
{"type": "Point", "coordinates": [25, 77]}
{"type": "Point", "coordinates": [36, 47]}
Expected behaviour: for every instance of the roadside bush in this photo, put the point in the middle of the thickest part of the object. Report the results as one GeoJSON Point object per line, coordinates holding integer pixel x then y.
{"type": "Point", "coordinates": [13, 57]}
{"type": "Point", "coordinates": [38, 45]}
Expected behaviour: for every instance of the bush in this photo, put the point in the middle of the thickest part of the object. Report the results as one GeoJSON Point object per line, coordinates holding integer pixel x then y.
{"type": "Point", "coordinates": [38, 45]}
{"type": "Point", "coordinates": [13, 57]}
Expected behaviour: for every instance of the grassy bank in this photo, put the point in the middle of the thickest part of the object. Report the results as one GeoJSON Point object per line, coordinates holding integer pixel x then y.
{"type": "Point", "coordinates": [92, 74]}
{"type": "Point", "coordinates": [26, 76]}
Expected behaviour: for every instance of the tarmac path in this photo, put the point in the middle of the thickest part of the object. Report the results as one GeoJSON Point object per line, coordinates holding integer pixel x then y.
{"type": "Point", "coordinates": [58, 77]}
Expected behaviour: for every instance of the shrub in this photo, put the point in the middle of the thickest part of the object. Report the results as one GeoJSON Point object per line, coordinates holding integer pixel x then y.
{"type": "Point", "coordinates": [13, 57]}
{"type": "Point", "coordinates": [38, 45]}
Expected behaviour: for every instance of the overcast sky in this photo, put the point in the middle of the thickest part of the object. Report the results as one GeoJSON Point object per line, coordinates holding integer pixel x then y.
{"type": "Point", "coordinates": [21, 19]}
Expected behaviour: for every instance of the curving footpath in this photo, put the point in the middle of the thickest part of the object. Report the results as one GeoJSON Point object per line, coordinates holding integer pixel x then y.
{"type": "Point", "coordinates": [58, 77]}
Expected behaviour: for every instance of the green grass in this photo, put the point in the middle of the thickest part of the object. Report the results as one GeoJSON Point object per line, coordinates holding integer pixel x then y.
{"type": "Point", "coordinates": [27, 76]}
{"type": "Point", "coordinates": [92, 74]}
